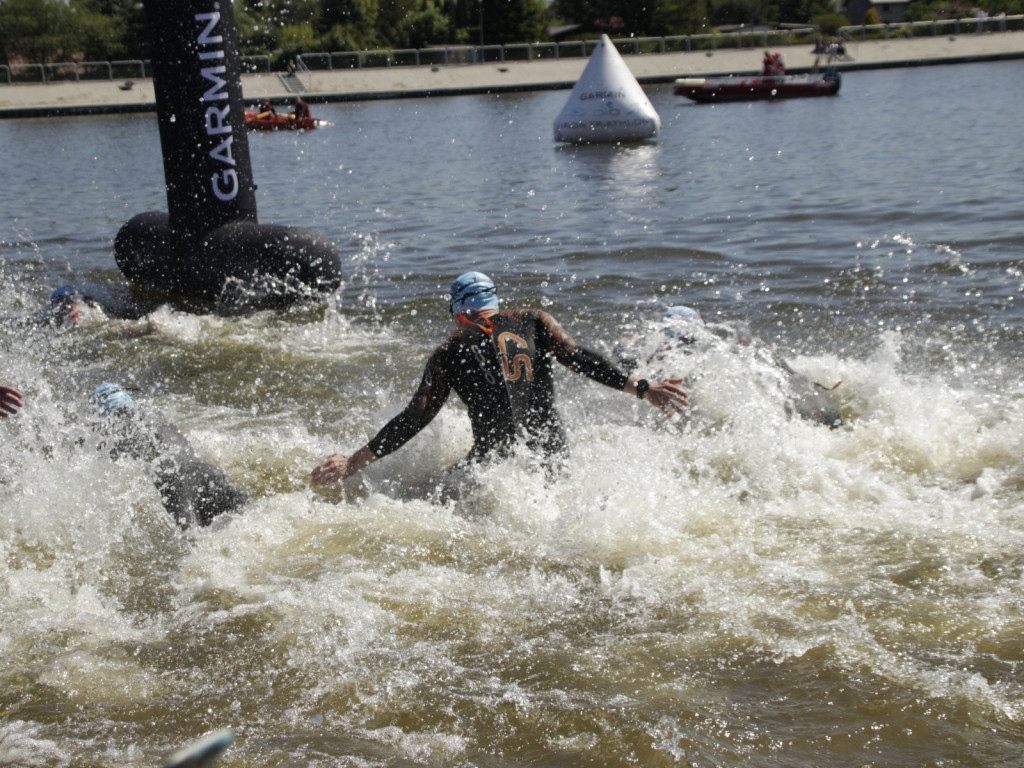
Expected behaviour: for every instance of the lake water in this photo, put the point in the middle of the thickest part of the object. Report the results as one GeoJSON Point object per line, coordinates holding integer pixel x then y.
{"type": "Point", "coordinates": [732, 588]}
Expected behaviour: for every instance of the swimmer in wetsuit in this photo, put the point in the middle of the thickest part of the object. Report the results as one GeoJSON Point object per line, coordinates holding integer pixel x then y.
{"type": "Point", "coordinates": [193, 491]}
{"type": "Point", "coordinates": [69, 306]}
{"type": "Point", "coordinates": [500, 365]}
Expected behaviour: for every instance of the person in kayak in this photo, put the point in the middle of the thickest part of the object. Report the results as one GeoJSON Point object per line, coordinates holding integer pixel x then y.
{"type": "Point", "coordinates": [192, 490]}
{"type": "Point", "coordinates": [500, 365]}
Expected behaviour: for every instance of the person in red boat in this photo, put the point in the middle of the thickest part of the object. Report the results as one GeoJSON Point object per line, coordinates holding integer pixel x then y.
{"type": "Point", "coordinates": [500, 364]}
{"type": "Point", "coordinates": [300, 109]}
{"type": "Point", "coordinates": [266, 110]}
{"type": "Point", "coordinates": [772, 64]}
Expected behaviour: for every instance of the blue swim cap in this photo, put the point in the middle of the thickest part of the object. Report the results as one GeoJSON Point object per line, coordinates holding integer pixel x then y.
{"type": "Point", "coordinates": [66, 294]}
{"type": "Point", "coordinates": [682, 323]}
{"type": "Point", "coordinates": [473, 290]}
{"type": "Point", "coordinates": [108, 399]}
{"type": "Point", "coordinates": [680, 310]}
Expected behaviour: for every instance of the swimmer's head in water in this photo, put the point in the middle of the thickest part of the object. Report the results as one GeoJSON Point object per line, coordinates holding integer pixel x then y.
{"type": "Point", "coordinates": [680, 310]}
{"type": "Point", "coordinates": [111, 399]}
{"type": "Point", "coordinates": [472, 290]}
{"type": "Point", "coordinates": [682, 322]}
{"type": "Point", "coordinates": [65, 295]}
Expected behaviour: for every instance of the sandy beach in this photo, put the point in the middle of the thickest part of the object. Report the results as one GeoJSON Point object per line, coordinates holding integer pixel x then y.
{"type": "Point", "coordinates": [91, 97]}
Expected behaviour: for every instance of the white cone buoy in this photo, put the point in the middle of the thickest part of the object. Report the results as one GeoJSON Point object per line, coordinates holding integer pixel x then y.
{"type": "Point", "coordinates": [607, 103]}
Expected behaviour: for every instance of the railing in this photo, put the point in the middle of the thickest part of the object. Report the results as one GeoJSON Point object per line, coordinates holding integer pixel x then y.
{"type": "Point", "coordinates": [468, 54]}
{"type": "Point", "coordinates": [471, 54]}
{"type": "Point", "coordinates": [944, 27]}
{"type": "Point", "coordinates": [75, 71]}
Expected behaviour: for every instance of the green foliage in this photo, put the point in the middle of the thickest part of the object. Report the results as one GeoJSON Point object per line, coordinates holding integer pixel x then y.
{"type": "Point", "coordinates": [936, 10]}
{"type": "Point", "coordinates": [38, 31]}
{"type": "Point", "coordinates": [297, 38]}
{"type": "Point", "coordinates": [110, 29]}
{"type": "Point", "coordinates": [622, 18]}
{"type": "Point", "coordinates": [677, 17]}
{"type": "Point", "coordinates": [930, 10]}
{"type": "Point", "coordinates": [514, 21]}
{"type": "Point", "coordinates": [47, 31]}
{"type": "Point", "coordinates": [424, 29]}
{"type": "Point", "coordinates": [341, 38]}
{"type": "Point", "coordinates": [829, 23]}
{"type": "Point", "coordinates": [725, 12]}
{"type": "Point", "coordinates": [871, 17]}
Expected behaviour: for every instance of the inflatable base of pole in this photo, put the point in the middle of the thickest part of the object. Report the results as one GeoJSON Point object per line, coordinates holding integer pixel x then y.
{"type": "Point", "coordinates": [240, 265]}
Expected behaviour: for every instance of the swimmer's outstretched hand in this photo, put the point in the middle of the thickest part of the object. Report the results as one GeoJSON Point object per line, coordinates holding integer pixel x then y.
{"type": "Point", "coordinates": [339, 466]}
{"type": "Point", "coordinates": [668, 396]}
{"type": "Point", "coordinates": [10, 401]}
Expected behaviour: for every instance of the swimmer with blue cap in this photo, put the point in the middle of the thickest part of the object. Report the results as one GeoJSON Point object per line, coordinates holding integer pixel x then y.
{"type": "Point", "coordinates": [109, 399]}
{"type": "Point", "coordinates": [682, 323]}
{"type": "Point", "coordinates": [472, 290]}
{"type": "Point", "coordinates": [500, 364]}
{"type": "Point", "coordinates": [194, 491]}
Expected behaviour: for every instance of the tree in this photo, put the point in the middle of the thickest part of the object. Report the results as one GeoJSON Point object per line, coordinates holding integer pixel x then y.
{"type": "Point", "coordinates": [36, 31]}
{"type": "Point", "coordinates": [425, 28]}
{"type": "Point", "coordinates": [268, 26]}
{"type": "Point", "coordinates": [110, 29]}
{"type": "Point", "coordinates": [514, 21]}
{"type": "Point", "coordinates": [736, 12]}
{"type": "Point", "coordinates": [354, 20]}
{"type": "Point", "coordinates": [678, 17]}
{"type": "Point", "coordinates": [622, 18]}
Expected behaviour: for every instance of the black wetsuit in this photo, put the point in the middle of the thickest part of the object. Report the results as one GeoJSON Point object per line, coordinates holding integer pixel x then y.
{"type": "Point", "coordinates": [505, 379]}
{"type": "Point", "coordinates": [192, 490]}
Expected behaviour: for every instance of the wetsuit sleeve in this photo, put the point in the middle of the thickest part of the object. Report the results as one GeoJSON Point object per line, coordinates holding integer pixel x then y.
{"type": "Point", "coordinates": [426, 402]}
{"type": "Point", "coordinates": [555, 340]}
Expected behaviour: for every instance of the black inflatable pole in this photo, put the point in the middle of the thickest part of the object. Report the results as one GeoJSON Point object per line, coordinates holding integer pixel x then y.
{"type": "Point", "coordinates": [211, 233]}
{"type": "Point", "coordinates": [198, 83]}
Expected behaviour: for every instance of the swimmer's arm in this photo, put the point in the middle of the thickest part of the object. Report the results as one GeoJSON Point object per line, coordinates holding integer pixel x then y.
{"type": "Point", "coordinates": [424, 406]}
{"type": "Point", "coordinates": [666, 395]}
{"type": "Point", "coordinates": [338, 466]}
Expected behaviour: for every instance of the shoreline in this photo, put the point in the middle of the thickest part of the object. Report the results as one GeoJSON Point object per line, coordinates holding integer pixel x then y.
{"type": "Point", "coordinates": [65, 99]}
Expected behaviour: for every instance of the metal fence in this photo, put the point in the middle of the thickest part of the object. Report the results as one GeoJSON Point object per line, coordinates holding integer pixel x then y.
{"type": "Point", "coordinates": [472, 54]}
{"type": "Point", "coordinates": [909, 29]}
{"type": "Point", "coordinates": [467, 54]}
{"type": "Point", "coordinates": [74, 71]}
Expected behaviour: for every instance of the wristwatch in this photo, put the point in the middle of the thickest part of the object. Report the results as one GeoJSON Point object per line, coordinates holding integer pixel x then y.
{"type": "Point", "coordinates": [641, 388]}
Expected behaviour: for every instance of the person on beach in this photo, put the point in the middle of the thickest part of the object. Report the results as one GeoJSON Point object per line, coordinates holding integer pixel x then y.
{"type": "Point", "coordinates": [500, 365]}
{"type": "Point", "coordinates": [193, 491]}
{"type": "Point", "coordinates": [10, 401]}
